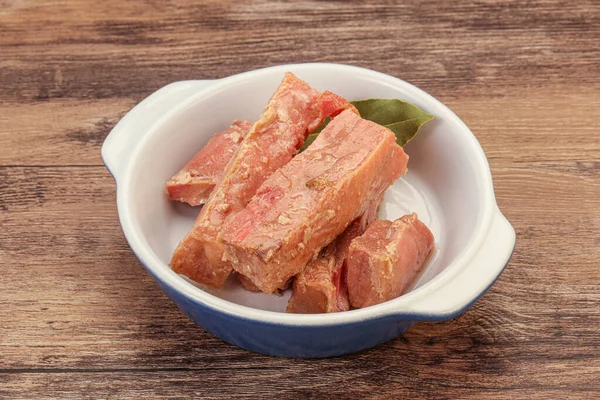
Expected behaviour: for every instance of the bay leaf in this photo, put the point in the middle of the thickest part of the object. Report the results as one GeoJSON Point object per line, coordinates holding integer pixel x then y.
{"type": "Point", "coordinates": [406, 130]}
{"type": "Point", "coordinates": [401, 117]}
{"type": "Point", "coordinates": [313, 135]}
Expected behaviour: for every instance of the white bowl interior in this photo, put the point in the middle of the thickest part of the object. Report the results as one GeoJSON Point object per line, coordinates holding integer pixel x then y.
{"type": "Point", "coordinates": [443, 183]}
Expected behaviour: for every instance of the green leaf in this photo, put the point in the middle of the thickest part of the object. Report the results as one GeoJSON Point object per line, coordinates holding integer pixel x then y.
{"type": "Point", "coordinates": [311, 138]}
{"type": "Point", "coordinates": [401, 117]}
{"type": "Point", "coordinates": [406, 130]}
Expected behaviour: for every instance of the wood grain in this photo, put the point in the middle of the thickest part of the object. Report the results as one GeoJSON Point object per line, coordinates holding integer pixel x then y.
{"type": "Point", "coordinates": [80, 318]}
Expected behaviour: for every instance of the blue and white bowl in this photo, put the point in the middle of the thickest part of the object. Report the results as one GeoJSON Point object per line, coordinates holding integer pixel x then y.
{"type": "Point", "coordinates": [448, 184]}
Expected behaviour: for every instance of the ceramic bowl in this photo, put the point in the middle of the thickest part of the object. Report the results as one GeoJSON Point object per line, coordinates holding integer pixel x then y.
{"type": "Point", "coordinates": [448, 184]}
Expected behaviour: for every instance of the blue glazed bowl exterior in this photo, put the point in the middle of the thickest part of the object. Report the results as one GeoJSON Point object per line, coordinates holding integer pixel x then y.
{"type": "Point", "coordinates": [289, 341]}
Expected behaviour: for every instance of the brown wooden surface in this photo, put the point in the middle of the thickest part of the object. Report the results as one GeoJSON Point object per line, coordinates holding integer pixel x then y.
{"type": "Point", "coordinates": [80, 318]}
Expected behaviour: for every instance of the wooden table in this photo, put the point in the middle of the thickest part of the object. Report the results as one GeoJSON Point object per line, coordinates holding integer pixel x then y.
{"type": "Point", "coordinates": [79, 316]}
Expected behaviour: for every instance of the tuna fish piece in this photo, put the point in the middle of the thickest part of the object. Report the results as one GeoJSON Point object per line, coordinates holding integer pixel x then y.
{"type": "Point", "coordinates": [306, 204]}
{"type": "Point", "coordinates": [251, 287]}
{"type": "Point", "coordinates": [321, 286]}
{"type": "Point", "coordinates": [294, 110]}
{"type": "Point", "coordinates": [386, 260]}
{"type": "Point", "coordinates": [247, 283]}
{"type": "Point", "coordinates": [194, 183]}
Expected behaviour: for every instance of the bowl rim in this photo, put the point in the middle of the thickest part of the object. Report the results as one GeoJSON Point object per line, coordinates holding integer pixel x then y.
{"type": "Point", "coordinates": [398, 308]}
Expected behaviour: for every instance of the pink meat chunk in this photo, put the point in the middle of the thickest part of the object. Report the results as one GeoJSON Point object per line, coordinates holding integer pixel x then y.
{"type": "Point", "coordinates": [307, 203]}
{"type": "Point", "coordinates": [386, 260]}
{"type": "Point", "coordinates": [251, 287]}
{"type": "Point", "coordinates": [321, 286]}
{"type": "Point", "coordinates": [197, 179]}
{"type": "Point", "coordinates": [247, 283]}
{"type": "Point", "coordinates": [294, 110]}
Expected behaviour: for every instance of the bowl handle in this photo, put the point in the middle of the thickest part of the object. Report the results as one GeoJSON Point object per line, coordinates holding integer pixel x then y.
{"type": "Point", "coordinates": [471, 282]}
{"type": "Point", "coordinates": [117, 146]}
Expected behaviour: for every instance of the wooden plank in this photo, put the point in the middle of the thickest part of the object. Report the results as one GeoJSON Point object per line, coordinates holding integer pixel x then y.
{"type": "Point", "coordinates": [57, 132]}
{"type": "Point", "coordinates": [69, 132]}
{"type": "Point", "coordinates": [385, 381]}
{"type": "Point", "coordinates": [548, 125]}
{"type": "Point", "coordinates": [115, 50]}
